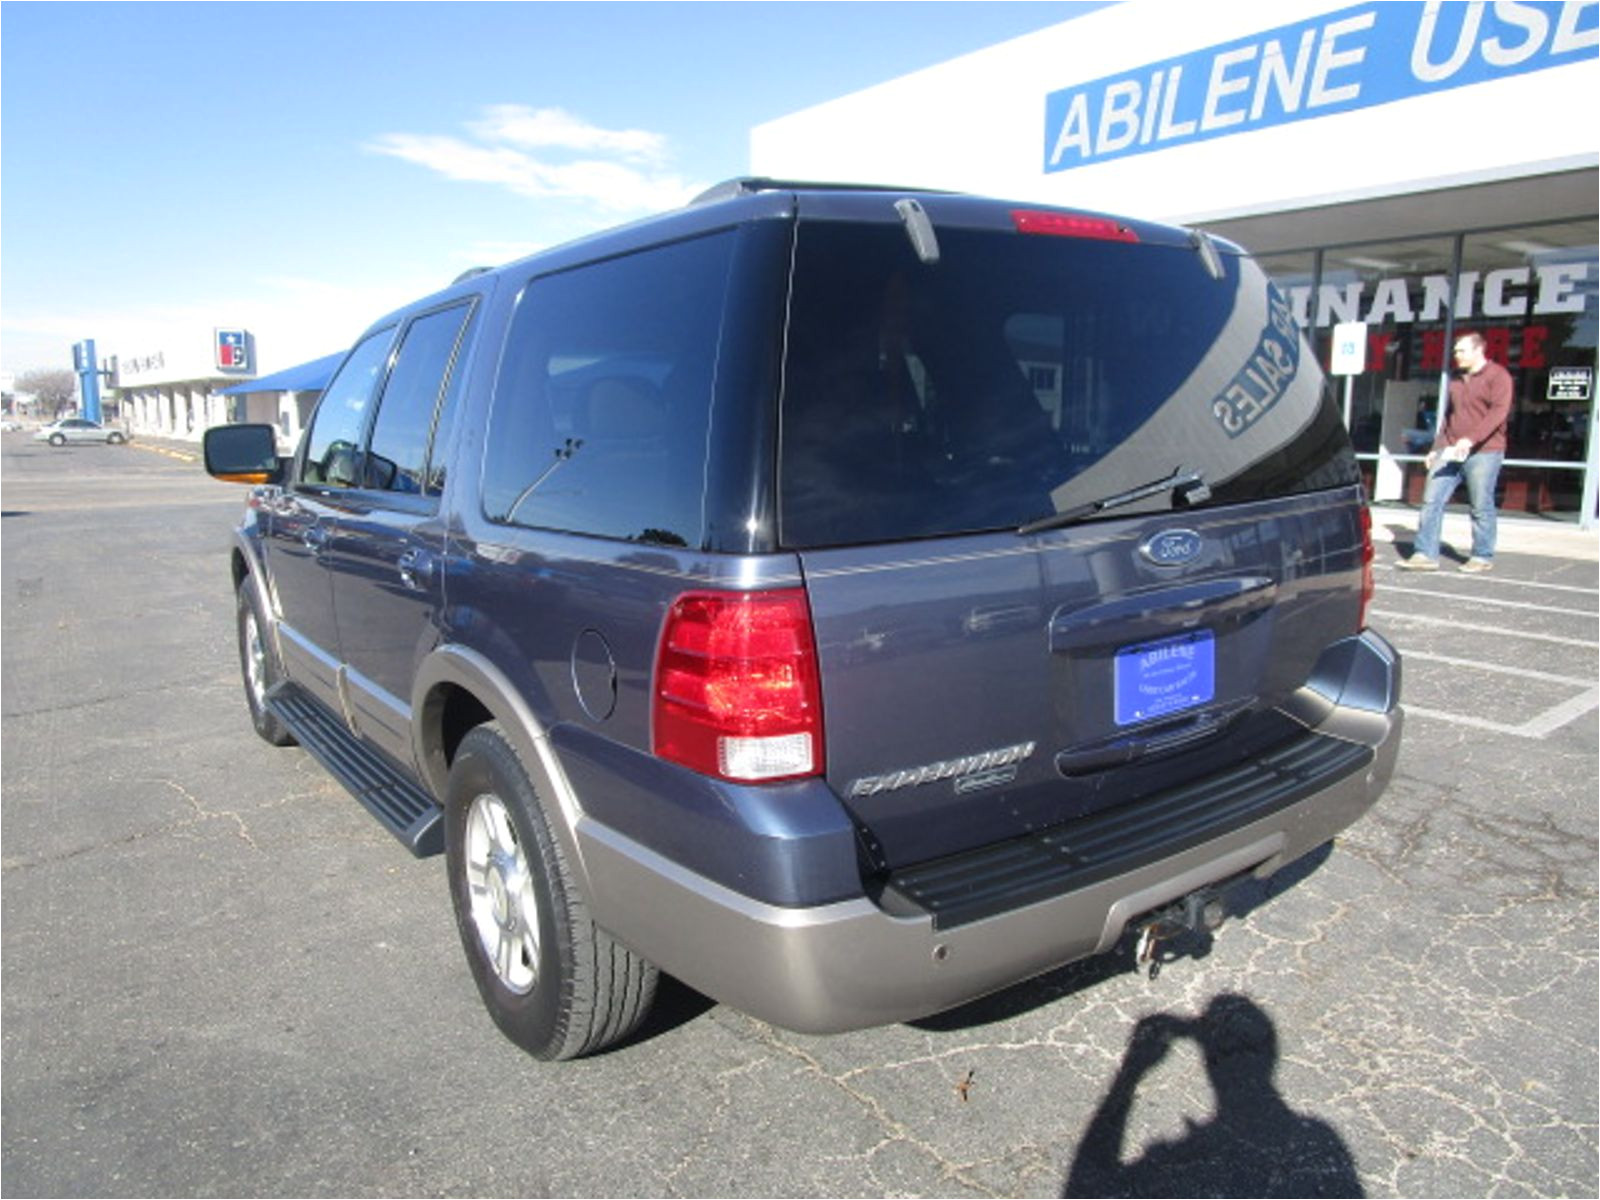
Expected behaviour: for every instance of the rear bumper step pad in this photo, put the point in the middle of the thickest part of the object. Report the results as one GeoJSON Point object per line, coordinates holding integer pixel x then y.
{"type": "Point", "coordinates": [981, 883]}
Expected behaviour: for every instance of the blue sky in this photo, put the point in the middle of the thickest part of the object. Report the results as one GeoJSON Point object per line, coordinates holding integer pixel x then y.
{"type": "Point", "coordinates": [299, 169]}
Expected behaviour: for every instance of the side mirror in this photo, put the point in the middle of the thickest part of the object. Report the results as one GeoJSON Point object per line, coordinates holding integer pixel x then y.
{"type": "Point", "coordinates": [243, 454]}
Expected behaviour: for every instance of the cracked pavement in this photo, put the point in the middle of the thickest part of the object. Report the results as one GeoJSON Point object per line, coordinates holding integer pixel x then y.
{"type": "Point", "coordinates": [222, 978]}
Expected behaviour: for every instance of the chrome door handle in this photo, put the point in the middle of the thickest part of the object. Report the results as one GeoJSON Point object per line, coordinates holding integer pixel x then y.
{"type": "Point", "coordinates": [416, 569]}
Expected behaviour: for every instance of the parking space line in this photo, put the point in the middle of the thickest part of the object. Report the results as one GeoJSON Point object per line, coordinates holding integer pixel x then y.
{"type": "Point", "coordinates": [1566, 612]}
{"type": "Point", "coordinates": [1537, 727]}
{"type": "Point", "coordinates": [1497, 630]}
{"type": "Point", "coordinates": [1495, 668]}
{"type": "Point", "coordinates": [1500, 581]}
{"type": "Point", "coordinates": [1554, 718]}
{"type": "Point", "coordinates": [180, 455]}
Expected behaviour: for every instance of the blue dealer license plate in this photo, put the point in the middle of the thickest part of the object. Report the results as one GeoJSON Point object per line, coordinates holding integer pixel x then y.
{"type": "Point", "coordinates": [1156, 679]}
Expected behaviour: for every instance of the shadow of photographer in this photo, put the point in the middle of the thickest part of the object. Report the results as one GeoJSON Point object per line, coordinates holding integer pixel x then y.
{"type": "Point", "coordinates": [1256, 1145]}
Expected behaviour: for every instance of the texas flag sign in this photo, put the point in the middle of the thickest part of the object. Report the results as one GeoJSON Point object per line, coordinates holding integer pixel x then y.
{"type": "Point", "coordinates": [233, 350]}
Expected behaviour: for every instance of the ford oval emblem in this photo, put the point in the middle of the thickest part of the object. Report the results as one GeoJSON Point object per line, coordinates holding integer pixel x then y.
{"type": "Point", "coordinates": [1172, 547]}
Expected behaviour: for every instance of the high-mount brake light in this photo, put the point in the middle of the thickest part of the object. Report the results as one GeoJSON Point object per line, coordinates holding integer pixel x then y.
{"type": "Point", "coordinates": [1055, 224]}
{"type": "Point", "coordinates": [737, 692]}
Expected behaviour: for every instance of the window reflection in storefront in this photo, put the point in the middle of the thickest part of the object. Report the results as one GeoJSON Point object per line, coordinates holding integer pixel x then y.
{"type": "Point", "coordinates": [1531, 292]}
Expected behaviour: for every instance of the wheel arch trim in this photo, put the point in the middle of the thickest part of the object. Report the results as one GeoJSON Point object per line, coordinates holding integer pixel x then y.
{"type": "Point", "coordinates": [250, 570]}
{"type": "Point", "coordinates": [462, 667]}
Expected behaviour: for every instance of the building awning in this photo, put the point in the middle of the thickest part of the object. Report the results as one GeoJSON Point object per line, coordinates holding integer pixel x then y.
{"type": "Point", "coordinates": [307, 377]}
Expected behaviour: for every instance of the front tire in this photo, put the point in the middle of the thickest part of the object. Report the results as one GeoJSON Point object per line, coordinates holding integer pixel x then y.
{"type": "Point", "coordinates": [554, 983]}
{"type": "Point", "coordinates": [58, 439]}
{"type": "Point", "coordinates": [258, 667]}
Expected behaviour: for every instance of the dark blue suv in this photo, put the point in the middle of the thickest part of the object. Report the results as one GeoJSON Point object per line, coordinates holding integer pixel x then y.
{"type": "Point", "coordinates": [851, 601]}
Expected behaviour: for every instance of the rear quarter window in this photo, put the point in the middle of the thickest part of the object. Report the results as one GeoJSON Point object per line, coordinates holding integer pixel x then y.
{"type": "Point", "coordinates": [602, 403]}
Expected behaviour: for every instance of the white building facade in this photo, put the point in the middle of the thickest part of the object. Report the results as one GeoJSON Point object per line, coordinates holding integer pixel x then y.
{"type": "Point", "coordinates": [1423, 168]}
{"type": "Point", "coordinates": [174, 390]}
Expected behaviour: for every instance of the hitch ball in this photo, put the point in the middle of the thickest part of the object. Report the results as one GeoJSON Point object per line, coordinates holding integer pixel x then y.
{"type": "Point", "coordinates": [1204, 911]}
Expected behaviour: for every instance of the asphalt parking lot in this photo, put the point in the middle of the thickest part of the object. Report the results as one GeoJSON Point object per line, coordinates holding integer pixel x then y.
{"type": "Point", "coordinates": [220, 977]}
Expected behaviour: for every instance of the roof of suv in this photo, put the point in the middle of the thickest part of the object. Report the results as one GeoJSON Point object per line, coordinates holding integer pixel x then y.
{"type": "Point", "coordinates": [752, 185]}
{"type": "Point", "coordinates": [756, 198]}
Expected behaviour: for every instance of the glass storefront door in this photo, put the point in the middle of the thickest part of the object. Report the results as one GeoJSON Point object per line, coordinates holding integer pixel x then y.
{"type": "Point", "coordinates": [1530, 291]}
{"type": "Point", "coordinates": [1537, 310]}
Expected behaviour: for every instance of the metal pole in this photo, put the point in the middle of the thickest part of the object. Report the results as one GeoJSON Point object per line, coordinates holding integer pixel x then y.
{"type": "Point", "coordinates": [1588, 518]}
{"type": "Point", "coordinates": [1449, 335]}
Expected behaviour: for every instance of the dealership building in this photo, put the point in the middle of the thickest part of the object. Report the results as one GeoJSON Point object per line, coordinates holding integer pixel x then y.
{"type": "Point", "coordinates": [1407, 172]}
{"type": "Point", "coordinates": [198, 378]}
{"type": "Point", "coordinates": [174, 389]}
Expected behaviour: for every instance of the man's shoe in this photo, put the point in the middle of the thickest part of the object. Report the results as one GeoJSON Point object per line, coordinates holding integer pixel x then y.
{"type": "Point", "coordinates": [1419, 562]}
{"type": "Point", "coordinates": [1477, 566]}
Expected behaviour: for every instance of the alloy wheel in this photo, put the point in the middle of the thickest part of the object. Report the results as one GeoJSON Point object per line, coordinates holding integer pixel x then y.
{"type": "Point", "coordinates": [501, 895]}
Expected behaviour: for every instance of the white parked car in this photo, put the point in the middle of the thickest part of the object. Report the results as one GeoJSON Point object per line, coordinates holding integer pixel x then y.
{"type": "Point", "coordinates": [79, 429]}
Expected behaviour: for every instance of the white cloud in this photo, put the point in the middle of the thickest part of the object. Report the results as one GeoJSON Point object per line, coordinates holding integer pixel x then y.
{"type": "Point", "coordinates": [554, 128]}
{"type": "Point", "coordinates": [456, 159]}
{"type": "Point", "coordinates": [618, 170]}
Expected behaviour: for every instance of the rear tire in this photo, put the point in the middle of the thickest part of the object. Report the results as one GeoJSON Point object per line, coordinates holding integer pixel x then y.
{"type": "Point", "coordinates": [554, 983]}
{"type": "Point", "coordinates": [114, 439]}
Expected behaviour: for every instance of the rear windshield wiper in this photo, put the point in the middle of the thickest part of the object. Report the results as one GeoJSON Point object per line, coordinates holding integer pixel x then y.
{"type": "Point", "coordinates": [1189, 486]}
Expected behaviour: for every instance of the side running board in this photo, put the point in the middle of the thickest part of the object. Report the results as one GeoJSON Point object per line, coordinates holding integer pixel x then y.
{"type": "Point", "coordinates": [402, 807]}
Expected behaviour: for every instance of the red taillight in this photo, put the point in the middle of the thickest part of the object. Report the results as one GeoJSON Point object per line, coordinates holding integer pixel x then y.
{"type": "Point", "coordinates": [737, 690]}
{"type": "Point", "coordinates": [1055, 224]}
{"type": "Point", "coordinates": [1369, 582]}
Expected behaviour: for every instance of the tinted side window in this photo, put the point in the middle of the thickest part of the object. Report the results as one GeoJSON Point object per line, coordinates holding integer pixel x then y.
{"type": "Point", "coordinates": [334, 441]}
{"type": "Point", "coordinates": [401, 434]}
{"type": "Point", "coordinates": [603, 399]}
{"type": "Point", "coordinates": [445, 421]}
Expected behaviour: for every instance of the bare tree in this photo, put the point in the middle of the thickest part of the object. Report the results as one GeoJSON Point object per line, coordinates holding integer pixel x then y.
{"type": "Point", "coordinates": [54, 388]}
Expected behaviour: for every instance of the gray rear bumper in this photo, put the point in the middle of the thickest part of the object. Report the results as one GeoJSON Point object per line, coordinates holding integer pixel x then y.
{"type": "Point", "coordinates": [852, 964]}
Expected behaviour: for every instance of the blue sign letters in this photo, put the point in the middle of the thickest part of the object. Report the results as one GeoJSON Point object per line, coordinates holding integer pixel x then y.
{"type": "Point", "coordinates": [1354, 58]}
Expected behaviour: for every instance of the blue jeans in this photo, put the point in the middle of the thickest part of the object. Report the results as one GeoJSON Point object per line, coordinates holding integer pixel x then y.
{"type": "Point", "coordinates": [1481, 471]}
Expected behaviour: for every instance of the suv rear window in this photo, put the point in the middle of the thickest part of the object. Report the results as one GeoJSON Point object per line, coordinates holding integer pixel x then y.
{"type": "Point", "coordinates": [1021, 376]}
